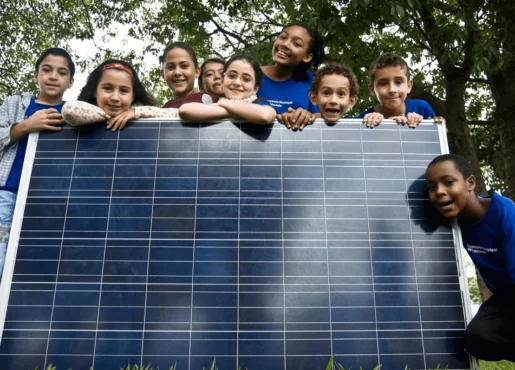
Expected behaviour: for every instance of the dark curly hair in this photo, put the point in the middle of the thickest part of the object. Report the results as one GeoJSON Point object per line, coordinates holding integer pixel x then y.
{"type": "Point", "coordinates": [335, 68]}
{"type": "Point", "coordinates": [388, 60]}
{"type": "Point", "coordinates": [141, 95]}
{"type": "Point", "coordinates": [316, 48]}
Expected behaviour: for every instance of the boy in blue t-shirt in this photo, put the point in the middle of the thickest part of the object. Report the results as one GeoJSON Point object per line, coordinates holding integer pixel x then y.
{"type": "Point", "coordinates": [390, 83]}
{"type": "Point", "coordinates": [22, 114]}
{"type": "Point", "coordinates": [488, 231]}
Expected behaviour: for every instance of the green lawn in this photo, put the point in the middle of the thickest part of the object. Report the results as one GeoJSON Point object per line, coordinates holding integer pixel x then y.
{"type": "Point", "coordinates": [502, 365]}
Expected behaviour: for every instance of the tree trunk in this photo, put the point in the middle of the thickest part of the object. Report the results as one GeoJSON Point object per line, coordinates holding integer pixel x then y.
{"type": "Point", "coordinates": [502, 83]}
{"type": "Point", "coordinates": [460, 142]}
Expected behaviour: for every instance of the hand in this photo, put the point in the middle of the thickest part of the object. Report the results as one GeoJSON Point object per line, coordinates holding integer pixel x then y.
{"type": "Point", "coordinates": [296, 119]}
{"type": "Point", "coordinates": [439, 119]}
{"type": "Point", "coordinates": [372, 119]}
{"type": "Point", "coordinates": [414, 119]}
{"type": "Point", "coordinates": [44, 120]}
{"type": "Point", "coordinates": [118, 122]}
{"type": "Point", "coordinates": [300, 118]}
{"type": "Point", "coordinates": [284, 118]}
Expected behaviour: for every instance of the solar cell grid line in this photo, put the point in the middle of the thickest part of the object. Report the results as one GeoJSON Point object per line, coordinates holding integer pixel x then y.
{"type": "Point", "coordinates": [170, 242]}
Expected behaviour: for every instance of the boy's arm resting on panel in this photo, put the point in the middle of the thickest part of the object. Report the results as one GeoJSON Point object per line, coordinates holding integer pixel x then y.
{"type": "Point", "coordinates": [79, 113]}
{"type": "Point", "coordinates": [200, 111]}
{"type": "Point", "coordinates": [260, 114]}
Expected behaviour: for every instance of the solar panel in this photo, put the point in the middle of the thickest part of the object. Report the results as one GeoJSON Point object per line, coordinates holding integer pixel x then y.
{"type": "Point", "coordinates": [172, 243]}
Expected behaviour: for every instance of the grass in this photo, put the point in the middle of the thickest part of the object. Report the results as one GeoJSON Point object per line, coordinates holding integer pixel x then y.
{"type": "Point", "coordinates": [501, 365]}
{"type": "Point", "coordinates": [331, 365]}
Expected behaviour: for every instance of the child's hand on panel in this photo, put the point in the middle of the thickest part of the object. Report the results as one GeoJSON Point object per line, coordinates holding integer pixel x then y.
{"type": "Point", "coordinates": [118, 122]}
{"type": "Point", "coordinates": [372, 119]}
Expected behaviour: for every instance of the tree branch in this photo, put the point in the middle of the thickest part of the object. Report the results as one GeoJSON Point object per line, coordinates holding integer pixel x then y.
{"type": "Point", "coordinates": [227, 33]}
{"type": "Point", "coordinates": [481, 123]}
{"type": "Point", "coordinates": [479, 80]}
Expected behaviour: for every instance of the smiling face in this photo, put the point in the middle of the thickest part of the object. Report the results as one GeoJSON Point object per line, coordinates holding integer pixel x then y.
{"type": "Point", "coordinates": [292, 47]}
{"type": "Point", "coordinates": [391, 86]}
{"type": "Point", "coordinates": [212, 78]}
{"type": "Point", "coordinates": [239, 81]}
{"type": "Point", "coordinates": [332, 97]}
{"type": "Point", "coordinates": [179, 72]}
{"type": "Point", "coordinates": [449, 192]}
{"type": "Point", "coordinates": [114, 92]}
{"type": "Point", "coordinates": [53, 77]}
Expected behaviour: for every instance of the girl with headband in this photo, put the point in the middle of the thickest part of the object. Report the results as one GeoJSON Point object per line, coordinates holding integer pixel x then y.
{"type": "Point", "coordinates": [114, 94]}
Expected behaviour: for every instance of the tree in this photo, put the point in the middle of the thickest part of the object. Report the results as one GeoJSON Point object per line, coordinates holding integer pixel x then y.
{"type": "Point", "coordinates": [29, 27]}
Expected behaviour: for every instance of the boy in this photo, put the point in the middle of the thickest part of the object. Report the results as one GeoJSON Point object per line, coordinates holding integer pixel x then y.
{"type": "Point", "coordinates": [390, 83]}
{"type": "Point", "coordinates": [335, 90]}
{"type": "Point", "coordinates": [22, 114]}
{"type": "Point", "coordinates": [488, 231]}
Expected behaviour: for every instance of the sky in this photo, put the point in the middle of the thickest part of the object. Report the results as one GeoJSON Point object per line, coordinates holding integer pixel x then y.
{"type": "Point", "coordinates": [122, 43]}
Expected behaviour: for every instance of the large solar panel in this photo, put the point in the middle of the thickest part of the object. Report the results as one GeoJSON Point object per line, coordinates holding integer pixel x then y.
{"type": "Point", "coordinates": [268, 249]}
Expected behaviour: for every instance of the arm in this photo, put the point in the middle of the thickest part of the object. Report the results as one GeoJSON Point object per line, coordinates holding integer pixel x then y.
{"type": "Point", "coordinates": [146, 111]}
{"type": "Point", "coordinates": [260, 114]}
{"type": "Point", "coordinates": [78, 113]}
{"type": "Point", "coordinates": [200, 112]}
{"type": "Point", "coordinates": [143, 111]}
{"type": "Point", "coordinates": [43, 120]}
{"type": "Point", "coordinates": [5, 125]}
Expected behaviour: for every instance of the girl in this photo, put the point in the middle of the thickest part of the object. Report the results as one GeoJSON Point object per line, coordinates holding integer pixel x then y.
{"type": "Point", "coordinates": [241, 81]}
{"type": "Point", "coordinates": [210, 79]}
{"type": "Point", "coordinates": [287, 82]}
{"type": "Point", "coordinates": [179, 70]}
{"type": "Point", "coordinates": [488, 232]}
{"type": "Point", "coordinates": [113, 93]}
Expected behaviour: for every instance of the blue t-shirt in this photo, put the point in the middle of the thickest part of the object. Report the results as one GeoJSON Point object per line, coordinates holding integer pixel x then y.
{"type": "Point", "coordinates": [13, 181]}
{"type": "Point", "coordinates": [289, 93]}
{"type": "Point", "coordinates": [490, 243]}
{"type": "Point", "coordinates": [412, 106]}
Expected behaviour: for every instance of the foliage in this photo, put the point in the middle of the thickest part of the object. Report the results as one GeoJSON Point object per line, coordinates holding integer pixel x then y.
{"type": "Point", "coordinates": [501, 365]}
{"type": "Point", "coordinates": [28, 27]}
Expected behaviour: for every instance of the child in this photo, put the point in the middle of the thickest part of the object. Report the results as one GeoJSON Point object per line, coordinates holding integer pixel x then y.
{"type": "Point", "coordinates": [335, 90]}
{"type": "Point", "coordinates": [286, 83]}
{"type": "Point", "coordinates": [242, 78]}
{"type": "Point", "coordinates": [210, 78]}
{"type": "Point", "coordinates": [390, 83]}
{"type": "Point", "coordinates": [179, 70]}
{"type": "Point", "coordinates": [22, 114]}
{"type": "Point", "coordinates": [488, 231]}
{"type": "Point", "coordinates": [113, 93]}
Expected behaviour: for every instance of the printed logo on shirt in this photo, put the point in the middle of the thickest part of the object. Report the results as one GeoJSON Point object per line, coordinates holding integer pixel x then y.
{"type": "Point", "coordinates": [279, 103]}
{"type": "Point", "coordinates": [479, 249]}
